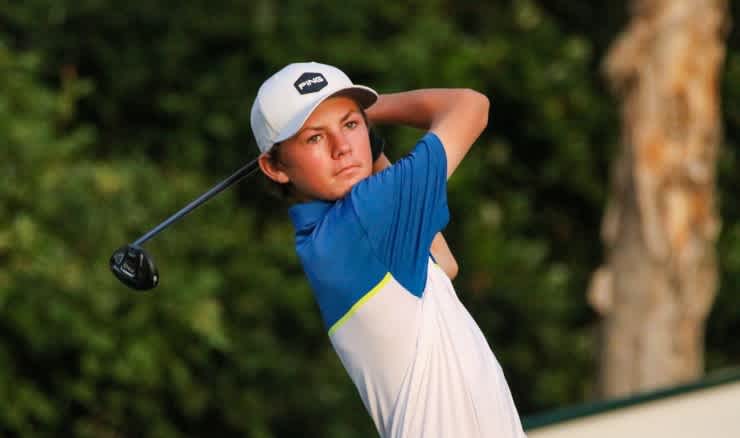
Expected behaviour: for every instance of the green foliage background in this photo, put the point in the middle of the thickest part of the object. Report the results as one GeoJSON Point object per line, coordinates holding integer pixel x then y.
{"type": "Point", "coordinates": [115, 115]}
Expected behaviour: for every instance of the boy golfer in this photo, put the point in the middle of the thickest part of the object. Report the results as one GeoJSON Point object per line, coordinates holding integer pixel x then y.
{"type": "Point", "coordinates": [364, 234]}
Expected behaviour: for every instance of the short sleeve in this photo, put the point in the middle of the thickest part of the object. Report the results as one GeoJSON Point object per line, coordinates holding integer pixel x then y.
{"type": "Point", "coordinates": [403, 207]}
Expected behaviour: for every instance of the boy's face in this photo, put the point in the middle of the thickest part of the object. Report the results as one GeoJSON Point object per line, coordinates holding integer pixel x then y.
{"type": "Point", "coordinates": [329, 154]}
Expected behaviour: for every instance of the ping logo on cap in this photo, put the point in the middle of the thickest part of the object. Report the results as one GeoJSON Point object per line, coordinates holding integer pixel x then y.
{"type": "Point", "coordinates": [310, 83]}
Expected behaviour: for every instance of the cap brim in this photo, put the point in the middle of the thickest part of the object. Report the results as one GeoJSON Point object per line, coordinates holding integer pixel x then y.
{"type": "Point", "coordinates": [364, 96]}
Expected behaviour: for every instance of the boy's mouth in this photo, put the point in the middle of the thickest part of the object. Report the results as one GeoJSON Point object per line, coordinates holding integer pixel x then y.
{"type": "Point", "coordinates": [348, 169]}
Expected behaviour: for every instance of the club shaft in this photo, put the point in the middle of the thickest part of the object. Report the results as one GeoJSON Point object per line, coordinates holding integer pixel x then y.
{"type": "Point", "coordinates": [243, 172]}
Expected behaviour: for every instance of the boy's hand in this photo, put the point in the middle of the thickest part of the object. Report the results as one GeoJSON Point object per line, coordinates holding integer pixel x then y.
{"type": "Point", "coordinates": [381, 163]}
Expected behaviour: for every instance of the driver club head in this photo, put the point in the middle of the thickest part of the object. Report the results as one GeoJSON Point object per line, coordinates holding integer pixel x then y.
{"type": "Point", "coordinates": [134, 267]}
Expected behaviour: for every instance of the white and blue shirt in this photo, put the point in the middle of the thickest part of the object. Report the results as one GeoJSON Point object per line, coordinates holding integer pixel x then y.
{"type": "Point", "coordinates": [418, 359]}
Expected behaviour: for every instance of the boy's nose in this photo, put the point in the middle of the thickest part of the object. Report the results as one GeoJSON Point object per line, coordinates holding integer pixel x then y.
{"type": "Point", "coordinates": [341, 145]}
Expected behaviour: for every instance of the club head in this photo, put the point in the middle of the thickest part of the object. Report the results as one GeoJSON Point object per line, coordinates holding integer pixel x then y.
{"type": "Point", "coordinates": [134, 267]}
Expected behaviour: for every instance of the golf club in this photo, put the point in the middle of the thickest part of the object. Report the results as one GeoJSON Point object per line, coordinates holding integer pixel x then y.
{"type": "Point", "coordinates": [134, 267]}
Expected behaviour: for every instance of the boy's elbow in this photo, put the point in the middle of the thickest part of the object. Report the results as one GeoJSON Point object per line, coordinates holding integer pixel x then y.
{"type": "Point", "coordinates": [486, 108]}
{"type": "Point", "coordinates": [452, 270]}
{"type": "Point", "coordinates": [481, 105]}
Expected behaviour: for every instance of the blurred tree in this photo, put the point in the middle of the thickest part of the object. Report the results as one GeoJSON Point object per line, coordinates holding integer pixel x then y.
{"type": "Point", "coordinates": [661, 224]}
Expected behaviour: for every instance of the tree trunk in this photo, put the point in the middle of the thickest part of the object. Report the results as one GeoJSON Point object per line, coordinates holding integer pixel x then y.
{"type": "Point", "coordinates": [660, 226]}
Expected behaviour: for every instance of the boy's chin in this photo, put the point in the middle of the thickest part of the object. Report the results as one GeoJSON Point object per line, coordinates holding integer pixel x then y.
{"type": "Point", "coordinates": [336, 196]}
{"type": "Point", "coordinates": [340, 192]}
{"type": "Point", "coordinates": [336, 193]}
{"type": "Point", "coordinates": [343, 191]}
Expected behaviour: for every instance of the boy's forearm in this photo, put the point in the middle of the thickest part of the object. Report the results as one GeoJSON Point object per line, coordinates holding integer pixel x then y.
{"type": "Point", "coordinates": [456, 116]}
{"type": "Point", "coordinates": [417, 108]}
{"type": "Point", "coordinates": [443, 255]}
{"type": "Point", "coordinates": [405, 108]}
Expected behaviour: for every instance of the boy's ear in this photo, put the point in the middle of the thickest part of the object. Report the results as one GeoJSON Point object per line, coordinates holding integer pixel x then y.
{"type": "Point", "coordinates": [272, 169]}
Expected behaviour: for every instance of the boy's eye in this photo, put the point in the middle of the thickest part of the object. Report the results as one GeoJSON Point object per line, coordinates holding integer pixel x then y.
{"type": "Point", "coordinates": [351, 124]}
{"type": "Point", "coordinates": [314, 138]}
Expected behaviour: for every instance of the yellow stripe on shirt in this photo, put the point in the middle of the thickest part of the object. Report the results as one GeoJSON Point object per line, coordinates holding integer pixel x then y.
{"type": "Point", "coordinates": [359, 303]}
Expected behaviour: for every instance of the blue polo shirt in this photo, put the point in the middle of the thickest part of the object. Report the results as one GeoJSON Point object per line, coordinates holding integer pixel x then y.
{"type": "Point", "coordinates": [384, 225]}
{"type": "Point", "coordinates": [420, 363]}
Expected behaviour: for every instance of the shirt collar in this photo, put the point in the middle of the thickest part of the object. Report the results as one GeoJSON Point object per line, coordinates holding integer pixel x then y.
{"type": "Point", "coordinates": [307, 214]}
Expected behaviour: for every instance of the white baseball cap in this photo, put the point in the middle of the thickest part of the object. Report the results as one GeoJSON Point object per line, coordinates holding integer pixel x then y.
{"type": "Point", "coordinates": [287, 98]}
